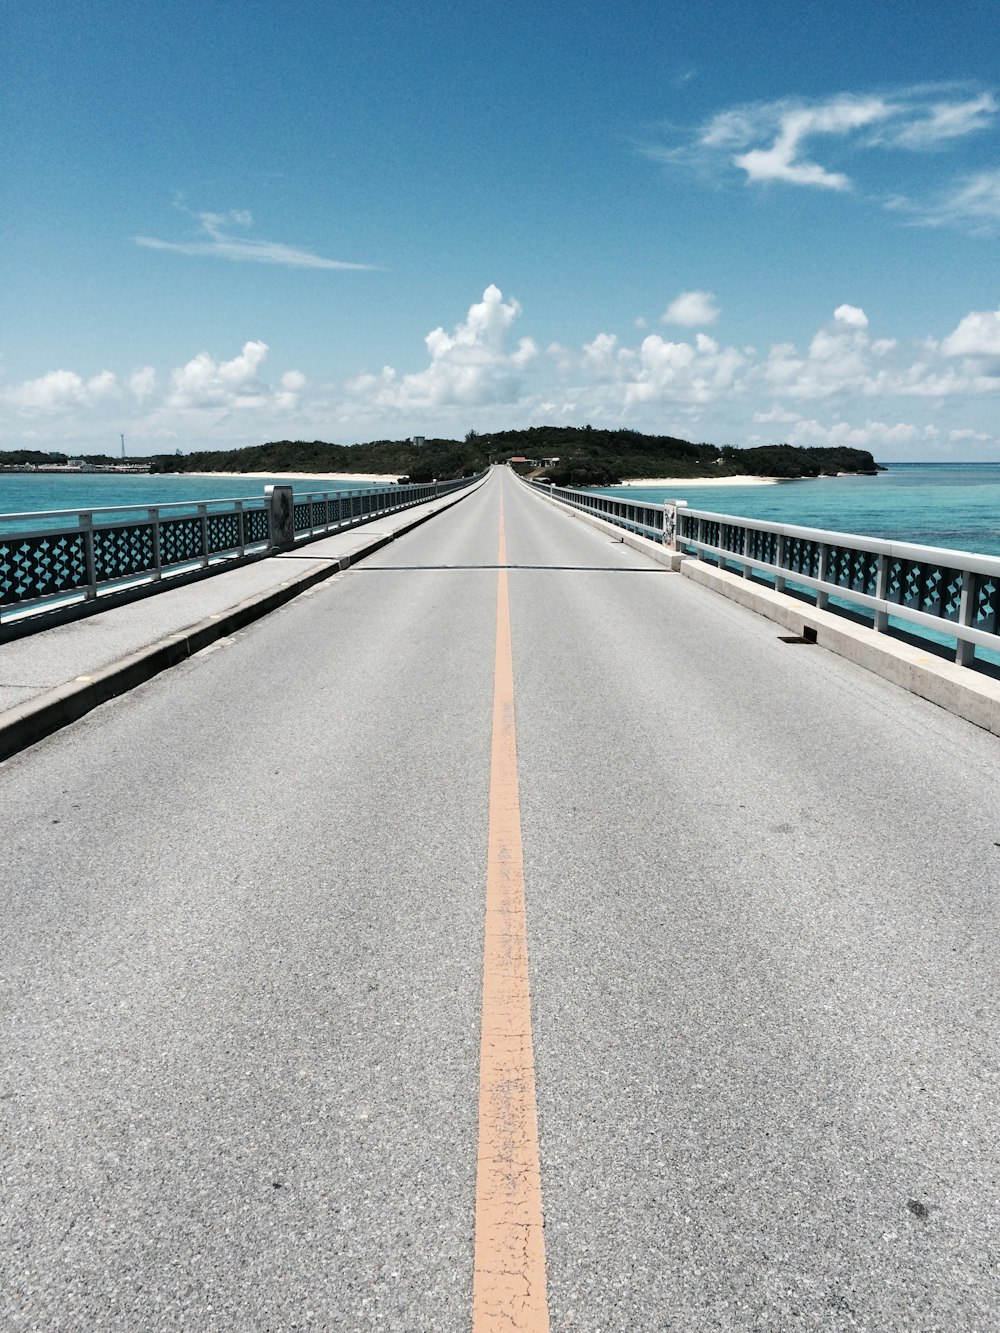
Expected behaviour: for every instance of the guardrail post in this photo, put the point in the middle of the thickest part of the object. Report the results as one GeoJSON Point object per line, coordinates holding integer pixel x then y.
{"type": "Point", "coordinates": [823, 597]}
{"type": "Point", "coordinates": [964, 650]}
{"type": "Point", "coordinates": [90, 560]}
{"type": "Point", "coordinates": [282, 512]}
{"type": "Point", "coordinates": [203, 515]}
{"type": "Point", "coordinates": [779, 560]}
{"type": "Point", "coordinates": [154, 518]}
{"type": "Point", "coordinates": [881, 621]}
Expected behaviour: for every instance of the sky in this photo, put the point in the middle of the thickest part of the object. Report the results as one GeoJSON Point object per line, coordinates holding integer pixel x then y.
{"type": "Point", "coordinates": [745, 224]}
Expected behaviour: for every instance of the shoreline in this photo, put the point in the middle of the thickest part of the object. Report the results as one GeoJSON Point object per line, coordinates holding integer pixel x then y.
{"type": "Point", "coordinates": [708, 481]}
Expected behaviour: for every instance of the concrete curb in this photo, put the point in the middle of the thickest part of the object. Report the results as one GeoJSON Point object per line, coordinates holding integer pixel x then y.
{"type": "Point", "coordinates": [968, 694]}
{"type": "Point", "coordinates": [26, 723]}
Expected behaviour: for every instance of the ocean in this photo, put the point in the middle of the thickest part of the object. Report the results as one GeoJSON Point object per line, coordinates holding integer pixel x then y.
{"type": "Point", "coordinates": [955, 505]}
{"type": "Point", "coordinates": [31, 492]}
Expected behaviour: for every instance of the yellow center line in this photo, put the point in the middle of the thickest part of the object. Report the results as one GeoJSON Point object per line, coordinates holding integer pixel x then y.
{"type": "Point", "coordinates": [509, 1290]}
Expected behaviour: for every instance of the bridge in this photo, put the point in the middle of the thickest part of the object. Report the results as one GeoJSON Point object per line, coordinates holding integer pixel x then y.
{"type": "Point", "coordinates": [504, 932]}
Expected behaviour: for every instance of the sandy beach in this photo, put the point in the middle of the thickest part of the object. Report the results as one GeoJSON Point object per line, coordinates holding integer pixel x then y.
{"type": "Point", "coordinates": [706, 481]}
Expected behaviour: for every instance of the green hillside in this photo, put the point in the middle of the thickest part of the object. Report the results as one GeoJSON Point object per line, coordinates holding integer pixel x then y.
{"type": "Point", "coordinates": [586, 456]}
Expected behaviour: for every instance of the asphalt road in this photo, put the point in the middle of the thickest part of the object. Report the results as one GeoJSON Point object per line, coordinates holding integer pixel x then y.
{"type": "Point", "coordinates": [243, 951]}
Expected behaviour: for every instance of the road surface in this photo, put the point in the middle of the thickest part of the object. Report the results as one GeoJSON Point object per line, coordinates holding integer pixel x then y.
{"type": "Point", "coordinates": [243, 977]}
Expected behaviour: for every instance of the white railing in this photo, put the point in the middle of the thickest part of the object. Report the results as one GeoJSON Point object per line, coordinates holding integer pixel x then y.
{"type": "Point", "coordinates": [936, 592]}
{"type": "Point", "coordinates": [951, 593]}
{"type": "Point", "coordinates": [646, 519]}
{"type": "Point", "coordinates": [62, 557]}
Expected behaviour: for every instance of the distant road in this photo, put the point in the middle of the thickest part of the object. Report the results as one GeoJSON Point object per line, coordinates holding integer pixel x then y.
{"type": "Point", "coordinates": [243, 959]}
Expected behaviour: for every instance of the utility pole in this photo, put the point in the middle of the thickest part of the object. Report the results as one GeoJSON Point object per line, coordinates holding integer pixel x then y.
{"type": "Point", "coordinates": [123, 448]}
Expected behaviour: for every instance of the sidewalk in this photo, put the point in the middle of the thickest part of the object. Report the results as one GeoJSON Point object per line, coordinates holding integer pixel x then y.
{"type": "Point", "coordinates": [58, 674]}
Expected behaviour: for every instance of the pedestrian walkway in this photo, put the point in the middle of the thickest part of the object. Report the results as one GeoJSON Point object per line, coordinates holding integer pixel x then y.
{"type": "Point", "coordinates": [58, 673]}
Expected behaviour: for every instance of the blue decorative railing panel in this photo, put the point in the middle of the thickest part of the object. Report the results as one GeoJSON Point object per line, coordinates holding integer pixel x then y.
{"type": "Point", "coordinates": [123, 552]}
{"type": "Point", "coordinates": [946, 593]}
{"type": "Point", "coordinates": [69, 553]}
{"type": "Point", "coordinates": [952, 593]}
{"type": "Point", "coordinates": [42, 566]}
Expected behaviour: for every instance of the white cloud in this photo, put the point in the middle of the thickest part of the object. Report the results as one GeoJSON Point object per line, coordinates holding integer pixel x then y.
{"type": "Point", "coordinates": [873, 435]}
{"type": "Point", "coordinates": [142, 383]}
{"type": "Point", "coordinates": [943, 121]}
{"type": "Point", "coordinates": [956, 436]}
{"type": "Point", "coordinates": [690, 309]}
{"type": "Point", "coordinates": [836, 361]}
{"type": "Point", "coordinates": [221, 244]}
{"type": "Point", "coordinates": [292, 384]}
{"type": "Point", "coordinates": [658, 371]}
{"type": "Point", "coordinates": [470, 366]}
{"type": "Point", "coordinates": [843, 385]}
{"type": "Point", "coordinates": [851, 315]}
{"type": "Point", "coordinates": [207, 383]}
{"type": "Point", "coordinates": [781, 162]}
{"type": "Point", "coordinates": [61, 389]}
{"type": "Point", "coordinates": [972, 203]}
{"type": "Point", "coordinates": [978, 334]}
{"type": "Point", "coordinates": [697, 375]}
{"type": "Point", "coordinates": [784, 140]}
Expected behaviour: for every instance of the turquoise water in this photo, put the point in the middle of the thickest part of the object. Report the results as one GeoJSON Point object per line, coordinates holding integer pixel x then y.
{"type": "Point", "coordinates": [937, 504]}
{"type": "Point", "coordinates": [22, 493]}
{"type": "Point", "coordinates": [954, 505]}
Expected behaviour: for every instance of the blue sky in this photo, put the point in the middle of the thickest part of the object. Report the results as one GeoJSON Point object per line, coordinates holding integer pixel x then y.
{"type": "Point", "coordinates": [226, 224]}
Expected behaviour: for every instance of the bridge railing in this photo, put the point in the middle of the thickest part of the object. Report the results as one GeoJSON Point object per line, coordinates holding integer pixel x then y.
{"type": "Point", "coordinates": [645, 519]}
{"type": "Point", "coordinates": [951, 593]}
{"type": "Point", "coordinates": [64, 556]}
{"type": "Point", "coordinates": [940, 593]}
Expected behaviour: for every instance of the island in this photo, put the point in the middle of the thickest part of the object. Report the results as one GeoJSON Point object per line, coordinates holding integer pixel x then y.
{"type": "Point", "coordinates": [564, 455]}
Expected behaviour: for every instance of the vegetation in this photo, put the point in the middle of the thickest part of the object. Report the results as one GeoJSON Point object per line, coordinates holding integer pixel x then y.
{"type": "Point", "coordinates": [586, 457]}
{"type": "Point", "coordinates": [30, 458]}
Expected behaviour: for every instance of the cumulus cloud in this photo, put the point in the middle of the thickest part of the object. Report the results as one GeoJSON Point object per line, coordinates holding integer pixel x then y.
{"type": "Point", "coordinates": [207, 383]}
{"type": "Point", "coordinates": [471, 365]}
{"type": "Point", "coordinates": [292, 384]}
{"type": "Point", "coordinates": [868, 387]}
{"type": "Point", "coordinates": [222, 244]}
{"type": "Point", "coordinates": [837, 359]}
{"type": "Point", "coordinates": [691, 309]}
{"type": "Point", "coordinates": [682, 373]}
{"type": "Point", "coordinates": [659, 370]}
{"type": "Point", "coordinates": [61, 389]}
{"type": "Point", "coordinates": [978, 334]}
{"type": "Point", "coordinates": [851, 315]}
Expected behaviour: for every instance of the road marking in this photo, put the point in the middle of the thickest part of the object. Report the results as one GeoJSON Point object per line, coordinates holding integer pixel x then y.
{"type": "Point", "coordinates": [509, 1290]}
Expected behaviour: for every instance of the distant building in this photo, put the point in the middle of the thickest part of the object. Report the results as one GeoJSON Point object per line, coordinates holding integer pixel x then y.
{"type": "Point", "coordinates": [418, 440]}
{"type": "Point", "coordinates": [517, 459]}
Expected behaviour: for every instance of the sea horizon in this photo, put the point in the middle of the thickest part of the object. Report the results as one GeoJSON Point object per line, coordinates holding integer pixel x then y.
{"type": "Point", "coordinates": [952, 505]}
